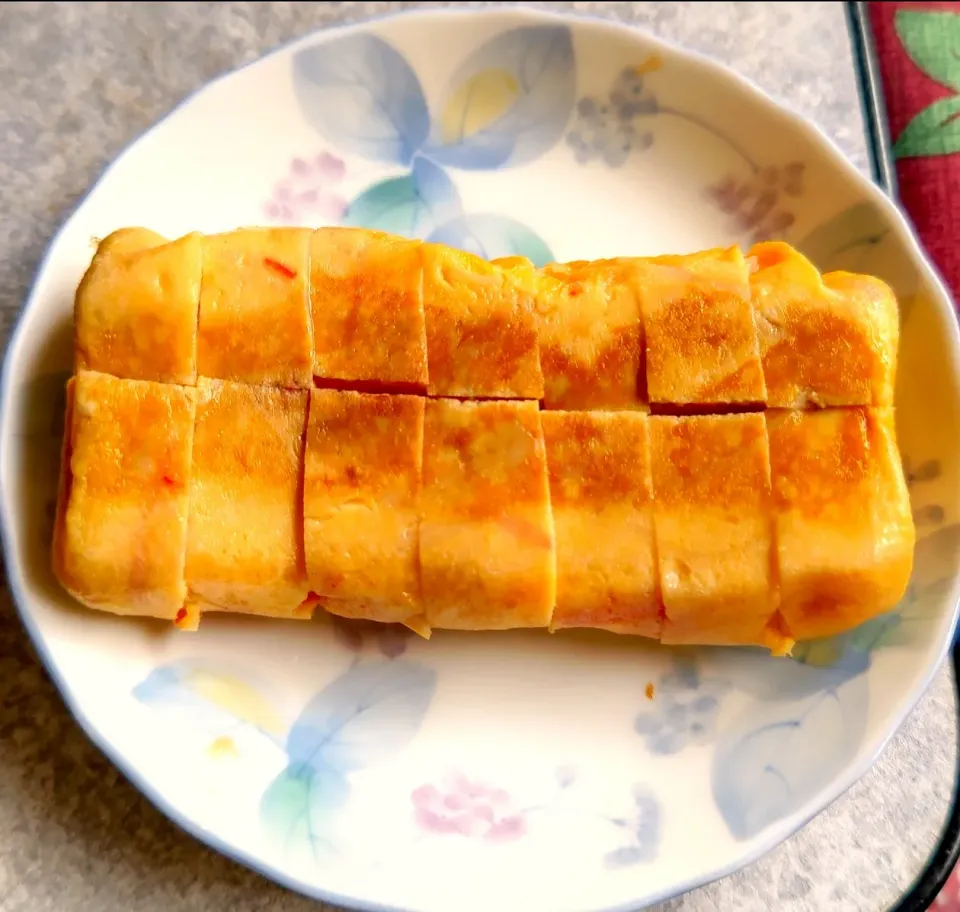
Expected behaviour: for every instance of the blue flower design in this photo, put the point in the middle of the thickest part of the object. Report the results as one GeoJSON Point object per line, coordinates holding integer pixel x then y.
{"type": "Point", "coordinates": [629, 97]}
{"type": "Point", "coordinates": [510, 102]}
{"type": "Point", "coordinates": [643, 828]}
{"type": "Point", "coordinates": [685, 710]}
{"type": "Point", "coordinates": [609, 130]}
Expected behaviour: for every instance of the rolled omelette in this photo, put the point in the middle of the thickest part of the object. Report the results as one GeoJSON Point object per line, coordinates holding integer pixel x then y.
{"type": "Point", "coordinates": [351, 308]}
{"type": "Point", "coordinates": [408, 434]}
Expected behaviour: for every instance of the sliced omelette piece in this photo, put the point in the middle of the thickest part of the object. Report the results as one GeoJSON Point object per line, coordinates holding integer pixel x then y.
{"type": "Point", "coordinates": [362, 472]}
{"type": "Point", "coordinates": [845, 532]}
{"type": "Point", "coordinates": [487, 554]}
{"type": "Point", "coordinates": [366, 293]}
{"type": "Point", "coordinates": [701, 341]}
{"type": "Point", "coordinates": [255, 324]}
{"type": "Point", "coordinates": [481, 331]}
{"type": "Point", "coordinates": [602, 500]}
{"type": "Point", "coordinates": [714, 528]}
{"type": "Point", "coordinates": [829, 341]}
{"type": "Point", "coordinates": [121, 527]}
{"type": "Point", "coordinates": [591, 339]}
{"type": "Point", "coordinates": [135, 312]}
{"type": "Point", "coordinates": [244, 542]}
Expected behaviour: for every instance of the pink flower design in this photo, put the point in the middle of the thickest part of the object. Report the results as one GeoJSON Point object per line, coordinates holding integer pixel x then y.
{"type": "Point", "coordinates": [755, 205]}
{"type": "Point", "coordinates": [468, 808]}
{"type": "Point", "coordinates": [306, 191]}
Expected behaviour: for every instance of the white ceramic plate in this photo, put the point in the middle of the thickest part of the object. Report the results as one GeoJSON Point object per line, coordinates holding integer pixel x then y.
{"type": "Point", "coordinates": [490, 771]}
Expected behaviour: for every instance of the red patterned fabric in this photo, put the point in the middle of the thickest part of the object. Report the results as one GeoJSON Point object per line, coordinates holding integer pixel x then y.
{"type": "Point", "coordinates": [948, 899]}
{"type": "Point", "coordinates": [918, 46]}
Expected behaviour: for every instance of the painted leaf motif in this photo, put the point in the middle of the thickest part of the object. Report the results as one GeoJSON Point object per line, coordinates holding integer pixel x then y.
{"type": "Point", "coordinates": [412, 206]}
{"type": "Point", "coordinates": [932, 39]}
{"type": "Point", "coordinates": [624, 857]}
{"type": "Point", "coordinates": [511, 100]}
{"type": "Point", "coordinates": [874, 633]}
{"type": "Point", "coordinates": [363, 97]}
{"type": "Point", "coordinates": [934, 131]}
{"type": "Point", "coordinates": [778, 756]}
{"type": "Point", "coordinates": [844, 235]}
{"type": "Point", "coordinates": [491, 236]}
{"type": "Point", "coordinates": [298, 810]}
{"type": "Point", "coordinates": [849, 652]}
{"type": "Point", "coordinates": [215, 698]}
{"type": "Point", "coordinates": [936, 557]}
{"type": "Point", "coordinates": [366, 715]}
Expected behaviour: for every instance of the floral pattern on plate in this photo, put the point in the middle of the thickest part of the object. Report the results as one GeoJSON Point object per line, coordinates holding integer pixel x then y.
{"type": "Point", "coordinates": [468, 808]}
{"type": "Point", "coordinates": [610, 128]}
{"type": "Point", "coordinates": [509, 102]}
{"type": "Point", "coordinates": [686, 705]}
{"type": "Point", "coordinates": [307, 190]}
{"type": "Point", "coordinates": [364, 717]}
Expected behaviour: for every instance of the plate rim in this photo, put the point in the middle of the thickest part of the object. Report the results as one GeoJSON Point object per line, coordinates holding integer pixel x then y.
{"type": "Point", "coordinates": [941, 299]}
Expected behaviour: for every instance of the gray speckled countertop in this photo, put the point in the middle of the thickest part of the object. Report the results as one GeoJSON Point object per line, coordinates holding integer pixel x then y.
{"type": "Point", "coordinates": [78, 81]}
